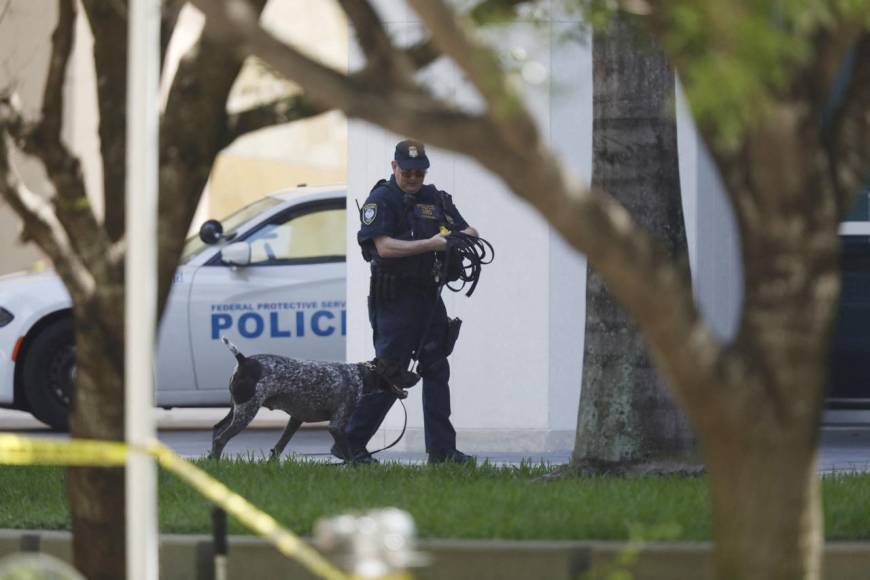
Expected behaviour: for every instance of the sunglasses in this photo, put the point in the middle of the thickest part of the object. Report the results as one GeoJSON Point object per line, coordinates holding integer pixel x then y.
{"type": "Point", "coordinates": [418, 173]}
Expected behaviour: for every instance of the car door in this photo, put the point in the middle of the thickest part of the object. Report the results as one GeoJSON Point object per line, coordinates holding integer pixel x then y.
{"type": "Point", "coordinates": [290, 299]}
{"type": "Point", "coordinates": [850, 348]}
{"type": "Point", "coordinates": [174, 363]}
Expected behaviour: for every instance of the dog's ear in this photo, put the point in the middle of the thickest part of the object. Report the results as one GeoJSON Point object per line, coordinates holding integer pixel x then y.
{"type": "Point", "coordinates": [244, 382]}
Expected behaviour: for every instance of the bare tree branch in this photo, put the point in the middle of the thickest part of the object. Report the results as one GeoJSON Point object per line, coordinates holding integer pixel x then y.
{"type": "Point", "coordinates": [85, 234]}
{"type": "Point", "coordinates": [61, 49]}
{"type": "Point", "coordinates": [495, 10]}
{"type": "Point", "coordinates": [40, 225]}
{"type": "Point", "coordinates": [482, 67]}
{"type": "Point", "coordinates": [168, 20]}
{"type": "Point", "coordinates": [849, 149]}
{"type": "Point", "coordinates": [422, 54]}
{"type": "Point", "coordinates": [829, 49]}
{"type": "Point", "coordinates": [400, 111]}
{"type": "Point", "coordinates": [108, 21]}
{"type": "Point", "coordinates": [282, 111]}
{"type": "Point", "coordinates": [238, 26]}
{"type": "Point", "coordinates": [381, 58]}
{"type": "Point", "coordinates": [198, 96]}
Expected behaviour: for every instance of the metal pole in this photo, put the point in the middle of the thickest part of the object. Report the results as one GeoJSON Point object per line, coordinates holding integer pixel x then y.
{"type": "Point", "coordinates": [219, 542]}
{"type": "Point", "coordinates": [140, 309]}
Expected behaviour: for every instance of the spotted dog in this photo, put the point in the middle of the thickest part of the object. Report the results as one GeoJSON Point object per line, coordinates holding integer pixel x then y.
{"type": "Point", "coordinates": [306, 390]}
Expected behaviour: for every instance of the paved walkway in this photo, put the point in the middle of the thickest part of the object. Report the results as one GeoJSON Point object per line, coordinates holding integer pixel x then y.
{"type": "Point", "coordinates": [845, 448]}
{"type": "Point", "coordinates": [845, 442]}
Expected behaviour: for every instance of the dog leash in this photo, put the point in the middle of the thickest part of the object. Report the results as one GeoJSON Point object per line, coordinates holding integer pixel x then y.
{"type": "Point", "coordinates": [393, 444]}
{"type": "Point", "coordinates": [401, 434]}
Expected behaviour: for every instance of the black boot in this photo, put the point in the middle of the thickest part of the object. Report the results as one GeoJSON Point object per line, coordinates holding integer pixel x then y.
{"type": "Point", "coordinates": [357, 457]}
{"type": "Point", "coordinates": [451, 456]}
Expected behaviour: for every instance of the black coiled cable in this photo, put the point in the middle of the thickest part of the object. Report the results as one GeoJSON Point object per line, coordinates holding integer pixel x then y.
{"type": "Point", "coordinates": [471, 253]}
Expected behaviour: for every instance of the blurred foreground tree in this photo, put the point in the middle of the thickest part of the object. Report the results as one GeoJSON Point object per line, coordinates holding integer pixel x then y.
{"type": "Point", "coordinates": [759, 76]}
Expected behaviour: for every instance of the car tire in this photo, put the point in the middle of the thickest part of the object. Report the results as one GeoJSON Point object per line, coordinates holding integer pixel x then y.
{"type": "Point", "coordinates": [48, 373]}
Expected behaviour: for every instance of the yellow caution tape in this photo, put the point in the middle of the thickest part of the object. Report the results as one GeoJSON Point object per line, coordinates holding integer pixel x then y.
{"type": "Point", "coordinates": [15, 450]}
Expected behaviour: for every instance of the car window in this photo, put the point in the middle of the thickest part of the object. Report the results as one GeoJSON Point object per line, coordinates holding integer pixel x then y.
{"type": "Point", "coordinates": [317, 234]}
{"type": "Point", "coordinates": [193, 245]}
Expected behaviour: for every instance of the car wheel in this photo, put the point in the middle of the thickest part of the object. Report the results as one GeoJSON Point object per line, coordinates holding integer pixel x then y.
{"type": "Point", "coordinates": [48, 374]}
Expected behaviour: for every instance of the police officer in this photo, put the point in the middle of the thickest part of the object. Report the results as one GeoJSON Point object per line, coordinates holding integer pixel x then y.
{"type": "Point", "coordinates": [404, 229]}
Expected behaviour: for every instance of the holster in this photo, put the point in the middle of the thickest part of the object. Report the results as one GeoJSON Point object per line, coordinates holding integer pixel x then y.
{"type": "Point", "coordinates": [446, 342]}
{"type": "Point", "coordinates": [453, 327]}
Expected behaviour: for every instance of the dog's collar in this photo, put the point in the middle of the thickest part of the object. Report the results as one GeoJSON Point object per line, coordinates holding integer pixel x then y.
{"type": "Point", "coordinates": [391, 388]}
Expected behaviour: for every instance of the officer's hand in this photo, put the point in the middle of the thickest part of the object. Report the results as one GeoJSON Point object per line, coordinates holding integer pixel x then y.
{"type": "Point", "coordinates": [439, 242]}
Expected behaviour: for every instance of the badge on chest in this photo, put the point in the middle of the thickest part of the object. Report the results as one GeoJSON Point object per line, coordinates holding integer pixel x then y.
{"type": "Point", "coordinates": [427, 211]}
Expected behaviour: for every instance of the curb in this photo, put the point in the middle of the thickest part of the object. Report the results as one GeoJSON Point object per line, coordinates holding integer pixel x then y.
{"type": "Point", "coordinates": [189, 557]}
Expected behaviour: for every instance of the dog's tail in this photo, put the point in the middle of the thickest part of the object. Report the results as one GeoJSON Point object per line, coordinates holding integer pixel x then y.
{"type": "Point", "coordinates": [243, 385]}
{"type": "Point", "coordinates": [233, 349]}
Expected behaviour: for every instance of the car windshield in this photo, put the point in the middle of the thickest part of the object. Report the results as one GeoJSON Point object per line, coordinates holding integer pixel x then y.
{"type": "Point", "coordinates": [193, 245]}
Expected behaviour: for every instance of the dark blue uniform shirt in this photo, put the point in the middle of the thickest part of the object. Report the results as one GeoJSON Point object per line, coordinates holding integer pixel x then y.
{"type": "Point", "coordinates": [388, 211]}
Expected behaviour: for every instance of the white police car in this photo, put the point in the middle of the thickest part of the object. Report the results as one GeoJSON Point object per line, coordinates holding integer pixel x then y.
{"type": "Point", "coordinates": [271, 277]}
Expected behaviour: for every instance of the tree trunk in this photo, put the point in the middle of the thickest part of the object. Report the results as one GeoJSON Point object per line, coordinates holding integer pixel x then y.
{"type": "Point", "coordinates": [626, 415]}
{"type": "Point", "coordinates": [767, 512]}
{"type": "Point", "coordinates": [97, 494]}
{"type": "Point", "coordinates": [762, 455]}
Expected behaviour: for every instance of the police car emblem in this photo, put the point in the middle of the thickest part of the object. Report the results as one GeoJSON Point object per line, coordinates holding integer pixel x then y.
{"type": "Point", "coordinates": [369, 211]}
{"type": "Point", "coordinates": [412, 152]}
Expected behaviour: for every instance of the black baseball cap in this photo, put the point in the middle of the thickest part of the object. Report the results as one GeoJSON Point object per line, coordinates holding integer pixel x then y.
{"type": "Point", "coordinates": [411, 154]}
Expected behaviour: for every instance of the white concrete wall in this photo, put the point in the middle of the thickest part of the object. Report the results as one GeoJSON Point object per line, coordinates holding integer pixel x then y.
{"type": "Point", "coordinates": [517, 367]}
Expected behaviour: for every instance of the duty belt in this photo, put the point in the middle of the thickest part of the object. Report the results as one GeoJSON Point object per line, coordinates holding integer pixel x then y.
{"type": "Point", "coordinates": [385, 285]}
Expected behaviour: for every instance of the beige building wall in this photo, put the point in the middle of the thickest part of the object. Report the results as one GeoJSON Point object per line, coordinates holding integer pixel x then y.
{"type": "Point", "coordinates": [312, 151]}
{"type": "Point", "coordinates": [25, 29]}
{"type": "Point", "coordinates": [237, 180]}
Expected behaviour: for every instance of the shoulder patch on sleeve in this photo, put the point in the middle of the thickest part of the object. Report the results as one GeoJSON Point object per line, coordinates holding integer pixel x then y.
{"type": "Point", "coordinates": [369, 212]}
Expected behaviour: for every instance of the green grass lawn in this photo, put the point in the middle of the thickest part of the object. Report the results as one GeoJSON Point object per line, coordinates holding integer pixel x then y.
{"type": "Point", "coordinates": [446, 502]}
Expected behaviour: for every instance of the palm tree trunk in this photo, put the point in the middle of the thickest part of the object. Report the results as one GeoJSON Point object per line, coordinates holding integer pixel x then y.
{"type": "Point", "coordinates": [626, 415]}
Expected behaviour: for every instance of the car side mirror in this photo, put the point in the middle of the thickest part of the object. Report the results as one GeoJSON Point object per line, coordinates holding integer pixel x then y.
{"type": "Point", "coordinates": [211, 232]}
{"type": "Point", "coordinates": [238, 254]}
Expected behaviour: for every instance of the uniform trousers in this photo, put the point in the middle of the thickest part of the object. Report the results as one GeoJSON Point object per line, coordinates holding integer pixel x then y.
{"type": "Point", "coordinates": [397, 327]}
